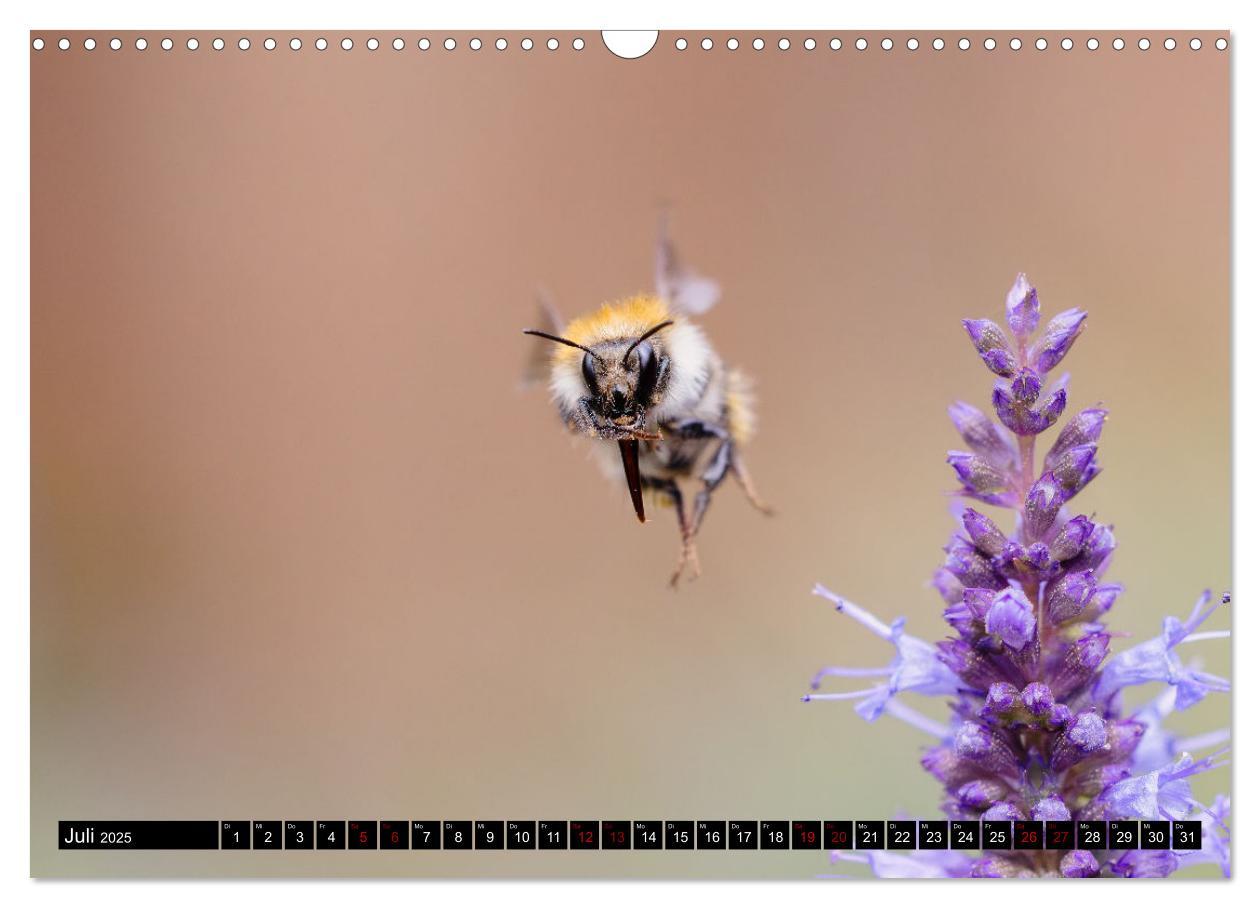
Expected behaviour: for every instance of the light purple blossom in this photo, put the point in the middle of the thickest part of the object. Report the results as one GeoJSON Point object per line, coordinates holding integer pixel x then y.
{"type": "Point", "coordinates": [1037, 725]}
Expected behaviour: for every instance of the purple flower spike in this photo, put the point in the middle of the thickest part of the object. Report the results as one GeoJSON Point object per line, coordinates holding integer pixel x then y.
{"type": "Point", "coordinates": [1038, 725]}
{"type": "Point", "coordinates": [1023, 312]}
{"type": "Point", "coordinates": [1057, 339]}
{"type": "Point", "coordinates": [1077, 864]}
{"type": "Point", "coordinates": [1011, 619]}
{"type": "Point", "coordinates": [991, 344]}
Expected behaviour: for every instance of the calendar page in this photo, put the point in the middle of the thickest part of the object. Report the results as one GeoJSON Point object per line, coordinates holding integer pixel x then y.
{"type": "Point", "coordinates": [578, 455]}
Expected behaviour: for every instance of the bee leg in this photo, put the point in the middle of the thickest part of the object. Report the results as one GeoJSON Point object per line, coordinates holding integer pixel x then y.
{"type": "Point", "coordinates": [712, 477]}
{"type": "Point", "coordinates": [688, 554]}
{"type": "Point", "coordinates": [746, 485]}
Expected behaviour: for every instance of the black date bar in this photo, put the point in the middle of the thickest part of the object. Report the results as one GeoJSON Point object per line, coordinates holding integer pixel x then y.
{"type": "Point", "coordinates": [122, 835]}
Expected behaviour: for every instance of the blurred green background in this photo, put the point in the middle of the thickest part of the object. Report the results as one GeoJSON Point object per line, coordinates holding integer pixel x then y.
{"type": "Point", "coordinates": [301, 548]}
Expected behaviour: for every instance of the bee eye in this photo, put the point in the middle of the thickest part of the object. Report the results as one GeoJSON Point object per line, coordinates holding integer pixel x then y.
{"type": "Point", "coordinates": [649, 373]}
{"type": "Point", "coordinates": [588, 373]}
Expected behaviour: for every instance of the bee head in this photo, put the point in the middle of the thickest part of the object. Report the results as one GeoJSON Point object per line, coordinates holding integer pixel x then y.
{"type": "Point", "coordinates": [623, 381]}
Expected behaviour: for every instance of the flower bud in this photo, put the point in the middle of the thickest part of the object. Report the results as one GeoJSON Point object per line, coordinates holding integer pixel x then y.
{"type": "Point", "coordinates": [970, 567]}
{"type": "Point", "coordinates": [1078, 864]}
{"type": "Point", "coordinates": [1051, 808]}
{"type": "Point", "coordinates": [1071, 538]}
{"type": "Point", "coordinates": [1060, 715]}
{"type": "Point", "coordinates": [1023, 311]}
{"type": "Point", "coordinates": [1068, 596]}
{"type": "Point", "coordinates": [1075, 468]}
{"type": "Point", "coordinates": [1054, 343]}
{"type": "Point", "coordinates": [979, 794]}
{"type": "Point", "coordinates": [1037, 699]}
{"type": "Point", "coordinates": [1042, 506]}
{"type": "Point", "coordinates": [981, 435]}
{"type": "Point", "coordinates": [1003, 810]}
{"type": "Point", "coordinates": [1084, 736]}
{"type": "Point", "coordinates": [1098, 548]}
{"type": "Point", "coordinates": [977, 744]}
{"type": "Point", "coordinates": [991, 344]}
{"type": "Point", "coordinates": [1079, 663]}
{"type": "Point", "coordinates": [1001, 698]}
{"type": "Point", "coordinates": [947, 585]}
{"type": "Point", "coordinates": [1011, 618]}
{"type": "Point", "coordinates": [977, 475]}
{"type": "Point", "coordinates": [983, 532]}
{"type": "Point", "coordinates": [1026, 386]}
{"type": "Point", "coordinates": [1082, 429]}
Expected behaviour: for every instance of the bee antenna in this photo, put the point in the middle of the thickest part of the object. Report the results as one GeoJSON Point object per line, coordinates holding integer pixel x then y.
{"type": "Point", "coordinates": [626, 360]}
{"type": "Point", "coordinates": [565, 340]}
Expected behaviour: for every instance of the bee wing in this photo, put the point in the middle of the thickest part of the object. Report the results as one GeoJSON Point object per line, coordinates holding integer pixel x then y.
{"type": "Point", "coordinates": [538, 360]}
{"type": "Point", "coordinates": [686, 291]}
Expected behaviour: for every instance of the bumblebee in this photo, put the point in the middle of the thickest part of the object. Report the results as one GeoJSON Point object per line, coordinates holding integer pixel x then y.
{"type": "Point", "coordinates": [640, 378]}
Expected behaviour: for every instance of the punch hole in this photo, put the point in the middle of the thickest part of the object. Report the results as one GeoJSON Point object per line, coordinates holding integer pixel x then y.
{"type": "Point", "coordinates": [835, 43]}
{"type": "Point", "coordinates": [399, 44]}
{"type": "Point", "coordinates": [449, 44]}
{"type": "Point", "coordinates": [192, 44]}
{"type": "Point", "coordinates": [886, 44]}
{"type": "Point", "coordinates": [758, 43]}
{"type": "Point", "coordinates": [526, 44]}
{"type": "Point", "coordinates": [1195, 44]}
{"type": "Point", "coordinates": [1092, 44]}
{"type": "Point", "coordinates": [63, 44]}
{"type": "Point", "coordinates": [553, 43]}
{"type": "Point", "coordinates": [732, 44]}
{"type": "Point", "coordinates": [474, 43]}
{"type": "Point", "coordinates": [295, 44]}
{"type": "Point", "coordinates": [912, 43]}
{"type": "Point", "coordinates": [243, 44]}
{"type": "Point", "coordinates": [706, 44]}
{"type": "Point", "coordinates": [1144, 44]}
{"type": "Point", "coordinates": [1221, 44]}
{"type": "Point", "coordinates": [373, 44]}
{"type": "Point", "coordinates": [500, 44]}
{"type": "Point", "coordinates": [784, 44]}
{"type": "Point", "coordinates": [89, 44]}
{"type": "Point", "coordinates": [167, 44]}
{"type": "Point", "coordinates": [810, 43]}
{"type": "Point", "coordinates": [990, 44]}
{"type": "Point", "coordinates": [632, 44]}
{"type": "Point", "coordinates": [217, 44]}
{"type": "Point", "coordinates": [321, 44]}
{"type": "Point", "coordinates": [681, 44]}
{"type": "Point", "coordinates": [860, 44]}
{"type": "Point", "coordinates": [1016, 44]}
{"type": "Point", "coordinates": [425, 44]}
{"type": "Point", "coordinates": [964, 43]}
{"type": "Point", "coordinates": [938, 44]}
{"type": "Point", "coordinates": [346, 43]}
{"type": "Point", "coordinates": [38, 44]}
{"type": "Point", "coordinates": [270, 44]}
{"type": "Point", "coordinates": [1066, 44]}
{"type": "Point", "coordinates": [578, 44]}
{"type": "Point", "coordinates": [1118, 44]}
{"type": "Point", "coordinates": [1042, 44]}
{"type": "Point", "coordinates": [141, 43]}
{"type": "Point", "coordinates": [1170, 44]}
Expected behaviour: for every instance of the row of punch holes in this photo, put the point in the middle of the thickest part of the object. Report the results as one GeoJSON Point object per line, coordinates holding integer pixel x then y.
{"type": "Point", "coordinates": [578, 43]}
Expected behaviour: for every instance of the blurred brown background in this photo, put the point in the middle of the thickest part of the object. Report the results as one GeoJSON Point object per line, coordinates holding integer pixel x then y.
{"type": "Point", "coordinates": [302, 549]}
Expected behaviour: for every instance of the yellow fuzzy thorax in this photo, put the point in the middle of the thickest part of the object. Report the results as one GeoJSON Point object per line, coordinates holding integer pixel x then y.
{"type": "Point", "coordinates": [624, 319]}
